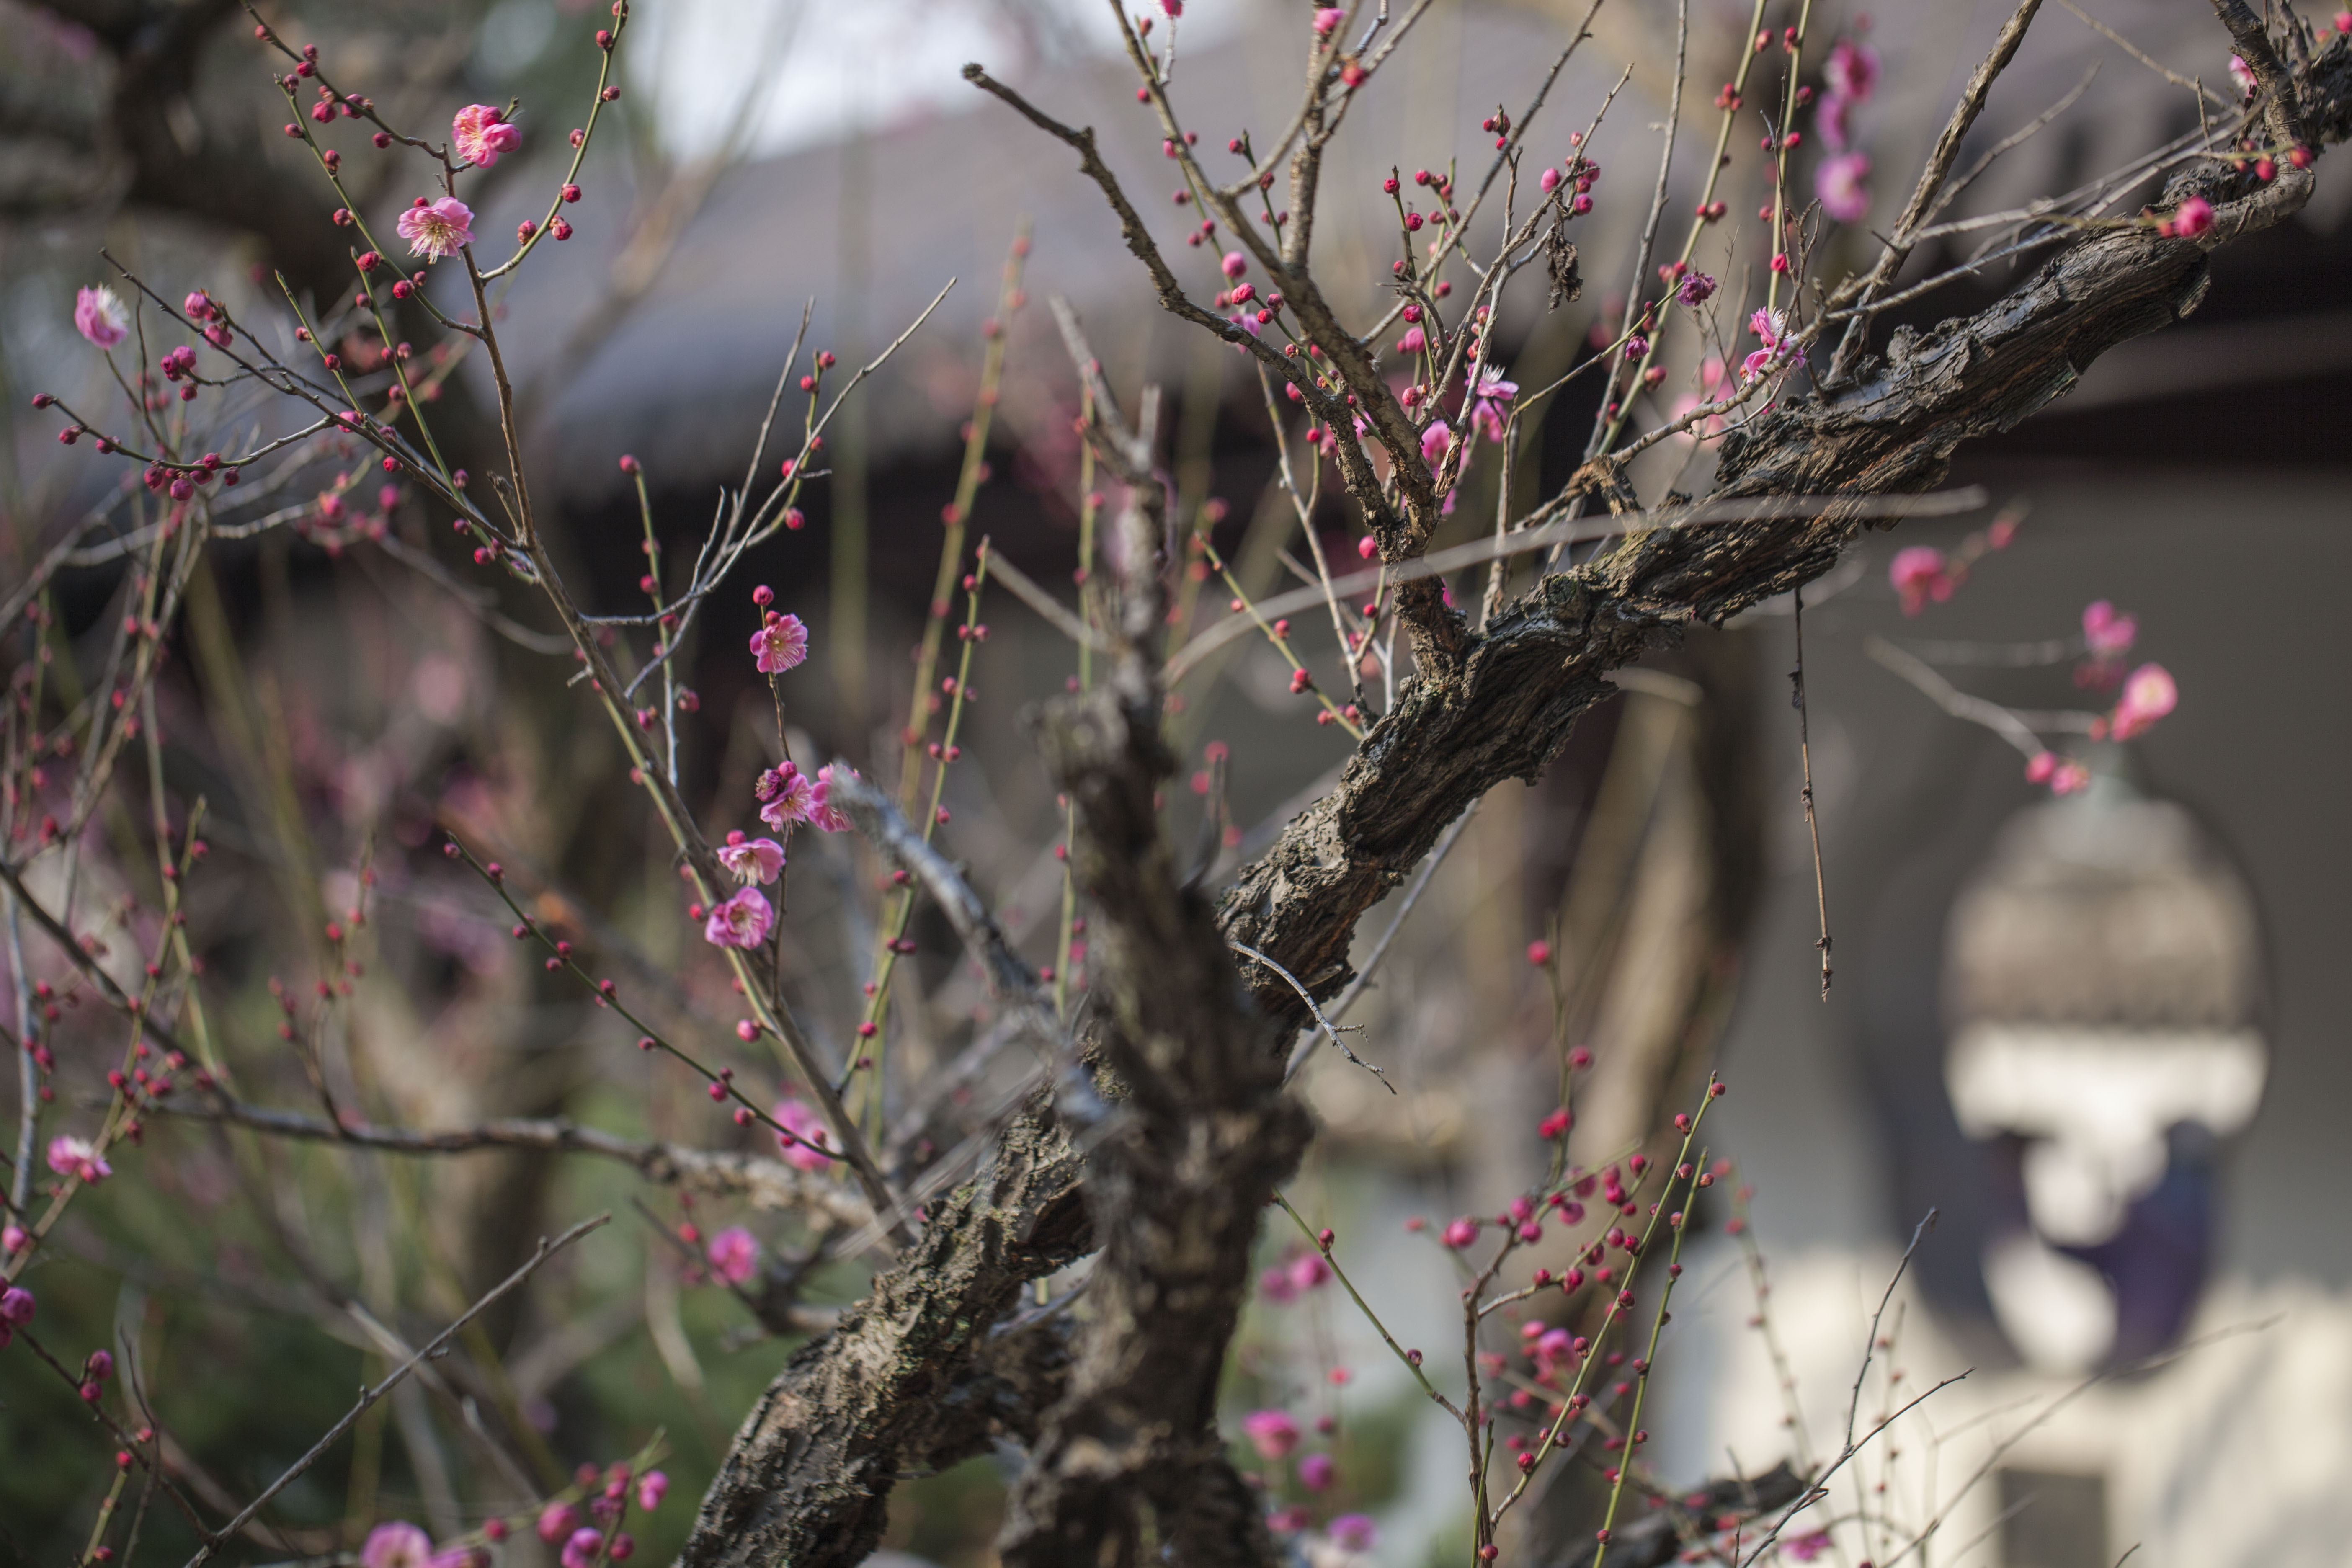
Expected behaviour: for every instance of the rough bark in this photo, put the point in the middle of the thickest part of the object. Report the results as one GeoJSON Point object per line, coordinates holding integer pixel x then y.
{"type": "Point", "coordinates": [1191, 1155]}
{"type": "Point", "coordinates": [808, 1479]}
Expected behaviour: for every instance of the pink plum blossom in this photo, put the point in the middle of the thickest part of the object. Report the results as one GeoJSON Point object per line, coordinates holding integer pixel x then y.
{"type": "Point", "coordinates": [1308, 1270]}
{"type": "Point", "coordinates": [436, 229]}
{"type": "Point", "coordinates": [1490, 404]}
{"type": "Point", "coordinates": [1413, 340]}
{"type": "Point", "coordinates": [1353, 1532]}
{"type": "Point", "coordinates": [1852, 70]}
{"type": "Point", "coordinates": [824, 815]}
{"type": "Point", "coordinates": [651, 1486]}
{"type": "Point", "coordinates": [76, 1157]}
{"type": "Point", "coordinates": [1771, 326]}
{"type": "Point", "coordinates": [2106, 633]}
{"type": "Point", "coordinates": [1271, 1432]}
{"type": "Point", "coordinates": [1235, 264]}
{"type": "Point", "coordinates": [482, 133]}
{"type": "Point", "coordinates": [396, 1544]}
{"type": "Point", "coordinates": [1461, 1233]}
{"type": "Point", "coordinates": [556, 1521]}
{"type": "Point", "coordinates": [2064, 776]}
{"type": "Point", "coordinates": [741, 921]}
{"type": "Point", "coordinates": [1714, 382]}
{"type": "Point", "coordinates": [1316, 1472]}
{"type": "Point", "coordinates": [2148, 695]}
{"type": "Point", "coordinates": [780, 644]}
{"type": "Point", "coordinates": [2243, 75]}
{"type": "Point", "coordinates": [1276, 1286]}
{"type": "Point", "coordinates": [734, 1253]}
{"type": "Point", "coordinates": [1919, 573]}
{"type": "Point", "coordinates": [1435, 442]}
{"type": "Point", "coordinates": [752, 860]}
{"type": "Point", "coordinates": [97, 316]}
{"type": "Point", "coordinates": [787, 795]}
{"type": "Point", "coordinates": [806, 1127]}
{"type": "Point", "coordinates": [1696, 289]}
{"type": "Point", "coordinates": [1833, 118]}
{"type": "Point", "coordinates": [1840, 184]}
{"type": "Point", "coordinates": [1328, 17]}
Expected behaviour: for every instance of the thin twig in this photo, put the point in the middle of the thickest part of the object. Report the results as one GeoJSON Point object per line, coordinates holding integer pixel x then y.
{"type": "Point", "coordinates": [2142, 56]}
{"type": "Point", "coordinates": [2017, 728]}
{"type": "Point", "coordinates": [368, 1396]}
{"type": "Point", "coordinates": [1364, 980]}
{"type": "Point", "coordinates": [1328, 1026]}
{"type": "Point", "coordinates": [1898, 250]}
{"type": "Point", "coordinates": [1009, 980]}
{"type": "Point", "coordinates": [1025, 589]}
{"type": "Point", "coordinates": [766, 1184]}
{"type": "Point", "coordinates": [1812, 818]}
{"type": "Point", "coordinates": [1410, 1358]}
{"type": "Point", "coordinates": [2000, 1450]}
{"type": "Point", "coordinates": [1918, 1234]}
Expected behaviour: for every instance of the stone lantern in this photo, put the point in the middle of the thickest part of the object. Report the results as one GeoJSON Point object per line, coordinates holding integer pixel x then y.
{"type": "Point", "coordinates": [2102, 991]}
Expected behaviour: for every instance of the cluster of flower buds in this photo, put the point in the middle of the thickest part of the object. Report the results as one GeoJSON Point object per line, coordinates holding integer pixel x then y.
{"type": "Point", "coordinates": [94, 1373]}
{"type": "Point", "coordinates": [1579, 169]}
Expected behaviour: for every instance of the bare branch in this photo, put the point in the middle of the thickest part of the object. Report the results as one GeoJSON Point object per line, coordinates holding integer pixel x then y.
{"type": "Point", "coordinates": [1048, 609]}
{"type": "Point", "coordinates": [764, 1183]}
{"type": "Point", "coordinates": [1009, 980]}
{"type": "Point", "coordinates": [1931, 179]}
{"type": "Point", "coordinates": [369, 1396]}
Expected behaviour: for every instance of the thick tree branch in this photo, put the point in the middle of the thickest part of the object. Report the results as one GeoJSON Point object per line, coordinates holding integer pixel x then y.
{"type": "Point", "coordinates": [1201, 1135]}
{"type": "Point", "coordinates": [1541, 663]}
{"type": "Point", "coordinates": [808, 1479]}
